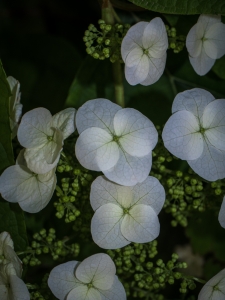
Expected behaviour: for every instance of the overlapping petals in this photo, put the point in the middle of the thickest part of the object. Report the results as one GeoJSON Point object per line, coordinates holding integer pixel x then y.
{"type": "Point", "coordinates": [143, 51]}
{"type": "Point", "coordinates": [42, 135]}
{"type": "Point", "coordinates": [206, 43]}
{"type": "Point", "coordinates": [116, 141]}
{"type": "Point", "coordinates": [214, 289]}
{"type": "Point", "coordinates": [125, 214]}
{"type": "Point", "coordinates": [32, 191]}
{"type": "Point", "coordinates": [195, 132]}
{"type": "Point", "coordinates": [93, 278]}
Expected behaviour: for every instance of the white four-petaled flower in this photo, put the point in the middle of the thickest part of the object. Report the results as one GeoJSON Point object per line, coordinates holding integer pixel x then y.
{"type": "Point", "coordinates": [205, 43]}
{"type": "Point", "coordinates": [15, 107]}
{"type": "Point", "coordinates": [116, 141]}
{"type": "Point", "coordinates": [143, 50]}
{"type": "Point", "coordinates": [42, 135]}
{"type": "Point", "coordinates": [196, 132]}
{"type": "Point", "coordinates": [92, 279]}
{"type": "Point", "coordinates": [32, 191]}
{"type": "Point", "coordinates": [125, 214]}
{"type": "Point", "coordinates": [214, 289]}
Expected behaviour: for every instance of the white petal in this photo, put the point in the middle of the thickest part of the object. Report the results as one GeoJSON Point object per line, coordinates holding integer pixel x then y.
{"type": "Point", "coordinates": [202, 63]}
{"type": "Point", "coordinates": [222, 214]}
{"type": "Point", "coordinates": [99, 269]}
{"type": "Point", "coordinates": [3, 292]}
{"type": "Point", "coordinates": [214, 123]}
{"type": "Point", "coordinates": [20, 160]}
{"type": "Point", "coordinates": [96, 150]}
{"type": "Point", "coordinates": [194, 100]}
{"type": "Point", "coordinates": [155, 38]}
{"type": "Point", "coordinates": [149, 192]}
{"type": "Point", "coordinates": [83, 293]}
{"type": "Point", "coordinates": [130, 170]}
{"type": "Point", "coordinates": [181, 136]}
{"type": "Point", "coordinates": [116, 292]}
{"type": "Point", "coordinates": [208, 20]}
{"type": "Point", "coordinates": [141, 225]}
{"type": "Point", "coordinates": [104, 191]}
{"type": "Point", "coordinates": [214, 44]}
{"type": "Point", "coordinates": [12, 258]}
{"type": "Point", "coordinates": [33, 192]}
{"type": "Point", "coordinates": [105, 227]}
{"type": "Point", "coordinates": [137, 133]}
{"type": "Point", "coordinates": [65, 121]}
{"type": "Point", "coordinates": [18, 289]}
{"type": "Point", "coordinates": [96, 113]}
{"type": "Point", "coordinates": [62, 279]}
{"type": "Point", "coordinates": [35, 127]}
{"type": "Point", "coordinates": [138, 72]}
{"type": "Point", "coordinates": [133, 58]}
{"type": "Point", "coordinates": [5, 240]}
{"type": "Point", "coordinates": [133, 39]}
{"type": "Point", "coordinates": [211, 164]}
{"type": "Point", "coordinates": [156, 69]}
{"type": "Point", "coordinates": [194, 41]}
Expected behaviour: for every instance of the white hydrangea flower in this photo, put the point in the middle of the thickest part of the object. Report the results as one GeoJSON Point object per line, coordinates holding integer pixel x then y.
{"type": "Point", "coordinates": [32, 191]}
{"type": "Point", "coordinates": [143, 50]}
{"type": "Point", "coordinates": [92, 279]}
{"type": "Point", "coordinates": [222, 213]}
{"type": "Point", "coordinates": [43, 136]}
{"type": "Point", "coordinates": [214, 289]}
{"type": "Point", "coordinates": [116, 141]}
{"type": "Point", "coordinates": [15, 107]}
{"type": "Point", "coordinates": [11, 286]}
{"type": "Point", "coordinates": [196, 132]}
{"type": "Point", "coordinates": [205, 43]}
{"type": "Point", "coordinates": [125, 214]}
{"type": "Point", "coordinates": [7, 253]}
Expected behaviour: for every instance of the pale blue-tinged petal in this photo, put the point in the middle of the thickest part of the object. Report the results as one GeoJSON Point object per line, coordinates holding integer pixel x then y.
{"type": "Point", "coordinates": [138, 73]}
{"type": "Point", "coordinates": [104, 191]}
{"type": "Point", "coordinates": [82, 292]}
{"type": "Point", "coordinates": [96, 113]}
{"type": "Point", "coordinates": [194, 100]}
{"type": "Point", "coordinates": [222, 213]}
{"type": "Point", "coordinates": [105, 227]}
{"type": "Point", "coordinates": [211, 164]}
{"type": "Point", "coordinates": [133, 58]}
{"type": "Point", "coordinates": [214, 123]}
{"type": "Point", "coordinates": [214, 44]}
{"type": "Point", "coordinates": [99, 269]}
{"type": "Point", "coordinates": [35, 127]}
{"type": "Point", "coordinates": [133, 39]}
{"type": "Point", "coordinates": [208, 20]}
{"type": "Point", "coordinates": [130, 170]}
{"type": "Point", "coordinates": [202, 63]}
{"type": "Point", "coordinates": [62, 279]}
{"type": "Point", "coordinates": [181, 136]}
{"type": "Point", "coordinates": [137, 134]}
{"type": "Point", "coordinates": [65, 121]}
{"type": "Point", "coordinates": [194, 41]}
{"type": "Point", "coordinates": [149, 192]}
{"type": "Point", "coordinates": [18, 289]}
{"type": "Point", "coordinates": [117, 291]}
{"type": "Point", "coordinates": [155, 38]}
{"type": "Point", "coordinates": [141, 224]}
{"type": "Point", "coordinates": [96, 150]}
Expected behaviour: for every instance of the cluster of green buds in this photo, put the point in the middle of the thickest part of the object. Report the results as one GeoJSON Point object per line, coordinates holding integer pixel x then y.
{"type": "Point", "coordinates": [45, 242]}
{"type": "Point", "coordinates": [105, 42]}
{"type": "Point", "coordinates": [218, 187]}
{"type": "Point", "coordinates": [39, 290]}
{"type": "Point", "coordinates": [176, 42]}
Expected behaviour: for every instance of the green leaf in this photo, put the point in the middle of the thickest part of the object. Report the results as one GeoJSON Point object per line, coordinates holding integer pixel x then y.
{"type": "Point", "coordinates": [5, 136]}
{"type": "Point", "coordinates": [184, 7]}
{"type": "Point", "coordinates": [12, 221]}
{"type": "Point", "coordinates": [219, 67]}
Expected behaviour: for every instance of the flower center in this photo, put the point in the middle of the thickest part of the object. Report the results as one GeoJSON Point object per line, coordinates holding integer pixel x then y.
{"type": "Point", "coordinates": [50, 138]}
{"type": "Point", "coordinates": [126, 210]}
{"type": "Point", "coordinates": [116, 138]}
{"type": "Point", "coordinates": [90, 285]}
{"type": "Point", "coordinates": [145, 51]}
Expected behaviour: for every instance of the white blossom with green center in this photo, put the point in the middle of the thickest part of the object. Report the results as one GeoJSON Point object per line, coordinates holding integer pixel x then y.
{"type": "Point", "coordinates": [214, 289]}
{"type": "Point", "coordinates": [116, 141]}
{"type": "Point", "coordinates": [11, 286]}
{"type": "Point", "coordinates": [205, 43]}
{"type": "Point", "coordinates": [32, 191]}
{"type": "Point", "coordinates": [143, 50]}
{"type": "Point", "coordinates": [92, 279]}
{"type": "Point", "coordinates": [42, 135]}
{"type": "Point", "coordinates": [125, 214]}
{"type": "Point", "coordinates": [15, 107]}
{"type": "Point", "coordinates": [196, 132]}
